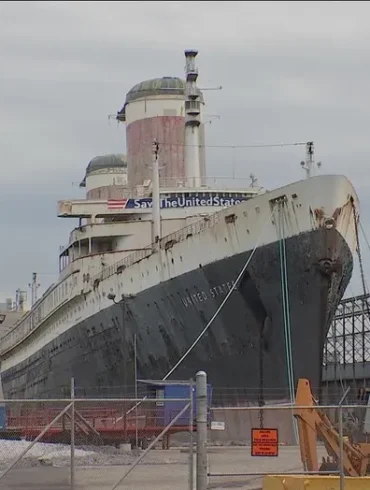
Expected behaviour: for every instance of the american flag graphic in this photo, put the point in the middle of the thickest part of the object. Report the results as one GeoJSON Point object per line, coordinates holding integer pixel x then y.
{"type": "Point", "coordinates": [117, 203]}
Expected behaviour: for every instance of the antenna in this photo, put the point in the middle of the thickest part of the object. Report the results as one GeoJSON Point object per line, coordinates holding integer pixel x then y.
{"type": "Point", "coordinates": [211, 88]}
{"type": "Point", "coordinates": [20, 298]}
{"type": "Point", "coordinates": [309, 165]}
{"type": "Point", "coordinates": [34, 285]}
{"type": "Point", "coordinates": [212, 117]}
{"type": "Point", "coordinates": [254, 181]}
{"type": "Point", "coordinates": [113, 116]}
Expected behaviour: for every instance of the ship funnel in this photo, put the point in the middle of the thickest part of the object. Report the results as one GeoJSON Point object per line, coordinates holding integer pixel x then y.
{"type": "Point", "coordinates": [192, 121]}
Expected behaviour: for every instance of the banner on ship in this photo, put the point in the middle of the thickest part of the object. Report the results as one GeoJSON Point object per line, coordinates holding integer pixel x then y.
{"type": "Point", "coordinates": [180, 202]}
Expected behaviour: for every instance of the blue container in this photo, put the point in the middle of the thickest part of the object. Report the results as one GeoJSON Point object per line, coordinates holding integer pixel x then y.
{"type": "Point", "coordinates": [167, 411]}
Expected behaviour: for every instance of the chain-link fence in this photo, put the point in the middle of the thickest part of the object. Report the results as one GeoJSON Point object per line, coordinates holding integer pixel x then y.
{"type": "Point", "coordinates": [175, 438]}
{"type": "Point", "coordinates": [105, 444]}
{"type": "Point", "coordinates": [247, 444]}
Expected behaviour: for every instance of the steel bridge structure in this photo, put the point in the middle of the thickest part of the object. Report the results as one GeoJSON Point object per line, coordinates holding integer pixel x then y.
{"type": "Point", "coordinates": [346, 360]}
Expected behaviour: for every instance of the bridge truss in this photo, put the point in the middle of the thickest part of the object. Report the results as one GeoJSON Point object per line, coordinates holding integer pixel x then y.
{"type": "Point", "coordinates": [348, 339]}
{"type": "Point", "coordinates": [346, 360]}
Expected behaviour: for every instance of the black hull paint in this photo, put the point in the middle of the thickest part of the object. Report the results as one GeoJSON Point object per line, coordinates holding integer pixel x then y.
{"type": "Point", "coordinates": [168, 317]}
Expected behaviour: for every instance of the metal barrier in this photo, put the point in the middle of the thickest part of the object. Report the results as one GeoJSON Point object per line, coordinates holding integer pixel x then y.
{"type": "Point", "coordinates": [97, 443]}
{"type": "Point", "coordinates": [241, 451]}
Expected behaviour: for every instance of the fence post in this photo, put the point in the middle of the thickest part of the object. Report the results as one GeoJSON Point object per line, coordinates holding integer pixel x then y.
{"type": "Point", "coordinates": [201, 397]}
{"type": "Point", "coordinates": [341, 446]}
{"type": "Point", "coordinates": [341, 469]}
{"type": "Point", "coordinates": [191, 442]}
{"type": "Point", "coordinates": [73, 434]}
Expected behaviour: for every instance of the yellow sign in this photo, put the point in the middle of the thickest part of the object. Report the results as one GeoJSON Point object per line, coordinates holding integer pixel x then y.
{"type": "Point", "coordinates": [265, 442]}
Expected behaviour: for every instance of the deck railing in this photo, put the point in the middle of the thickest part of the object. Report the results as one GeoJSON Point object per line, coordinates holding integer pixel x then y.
{"type": "Point", "coordinates": [165, 242]}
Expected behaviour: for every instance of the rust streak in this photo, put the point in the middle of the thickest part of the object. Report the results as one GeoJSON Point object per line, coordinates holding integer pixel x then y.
{"type": "Point", "coordinates": [319, 213]}
{"type": "Point", "coordinates": [336, 213]}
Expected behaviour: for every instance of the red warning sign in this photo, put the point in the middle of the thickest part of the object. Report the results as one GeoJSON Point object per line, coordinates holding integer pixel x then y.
{"type": "Point", "coordinates": [265, 442]}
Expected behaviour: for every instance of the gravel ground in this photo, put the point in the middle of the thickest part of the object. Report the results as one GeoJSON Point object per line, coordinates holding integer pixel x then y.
{"type": "Point", "coordinates": [59, 455]}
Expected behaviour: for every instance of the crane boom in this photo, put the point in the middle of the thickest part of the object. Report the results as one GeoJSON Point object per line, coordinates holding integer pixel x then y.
{"type": "Point", "coordinates": [313, 424]}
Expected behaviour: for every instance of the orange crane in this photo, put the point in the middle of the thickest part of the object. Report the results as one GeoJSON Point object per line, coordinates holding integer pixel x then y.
{"type": "Point", "coordinates": [314, 424]}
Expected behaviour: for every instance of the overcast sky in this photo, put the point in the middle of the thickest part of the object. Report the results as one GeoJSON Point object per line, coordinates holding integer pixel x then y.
{"type": "Point", "coordinates": [290, 71]}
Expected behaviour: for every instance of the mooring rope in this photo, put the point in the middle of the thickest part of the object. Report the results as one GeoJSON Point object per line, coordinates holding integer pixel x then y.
{"type": "Point", "coordinates": [286, 310]}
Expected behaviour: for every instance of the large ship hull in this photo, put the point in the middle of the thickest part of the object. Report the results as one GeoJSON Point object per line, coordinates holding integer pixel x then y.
{"type": "Point", "coordinates": [167, 315]}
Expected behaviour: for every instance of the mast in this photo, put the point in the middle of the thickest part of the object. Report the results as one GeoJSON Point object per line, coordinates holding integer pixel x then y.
{"type": "Point", "coordinates": [192, 122]}
{"type": "Point", "coordinates": [310, 165]}
{"type": "Point", "coordinates": [156, 197]}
